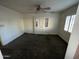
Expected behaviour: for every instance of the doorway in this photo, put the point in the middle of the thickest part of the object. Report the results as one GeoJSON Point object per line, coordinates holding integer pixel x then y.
{"type": "Point", "coordinates": [1, 29]}
{"type": "Point", "coordinates": [38, 23]}
{"type": "Point", "coordinates": [0, 42]}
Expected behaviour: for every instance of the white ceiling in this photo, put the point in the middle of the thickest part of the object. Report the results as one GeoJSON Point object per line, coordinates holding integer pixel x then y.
{"type": "Point", "coordinates": [28, 6]}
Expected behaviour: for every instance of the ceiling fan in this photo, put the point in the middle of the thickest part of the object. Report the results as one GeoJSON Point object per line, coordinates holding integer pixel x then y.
{"type": "Point", "coordinates": [39, 8]}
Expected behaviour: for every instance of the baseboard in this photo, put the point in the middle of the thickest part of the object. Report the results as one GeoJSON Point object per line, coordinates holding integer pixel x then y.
{"type": "Point", "coordinates": [62, 38]}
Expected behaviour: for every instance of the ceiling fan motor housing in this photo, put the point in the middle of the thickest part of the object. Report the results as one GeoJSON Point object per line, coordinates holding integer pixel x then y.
{"type": "Point", "coordinates": [38, 7]}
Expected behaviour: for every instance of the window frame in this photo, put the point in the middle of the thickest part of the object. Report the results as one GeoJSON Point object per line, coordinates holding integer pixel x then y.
{"type": "Point", "coordinates": [46, 22]}
{"type": "Point", "coordinates": [69, 29]}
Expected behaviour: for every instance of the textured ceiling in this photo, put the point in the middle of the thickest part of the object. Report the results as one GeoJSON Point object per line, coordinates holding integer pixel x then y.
{"type": "Point", "coordinates": [28, 6]}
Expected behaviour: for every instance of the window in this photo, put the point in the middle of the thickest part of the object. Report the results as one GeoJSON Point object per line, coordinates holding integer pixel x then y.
{"type": "Point", "coordinates": [37, 22]}
{"type": "Point", "coordinates": [46, 22]}
{"type": "Point", "coordinates": [69, 23]}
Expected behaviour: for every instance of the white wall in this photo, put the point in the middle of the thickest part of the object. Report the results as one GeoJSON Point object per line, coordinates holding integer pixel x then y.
{"type": "Point", "coordinates": [71, 11]}
{"type": "Point", "coordinates": [52, 26]}
{"type": "Point", "coordinates": [1, 56]}
{"type": "Point", "coordinates": [28, 23]}
{"type": "Point", "coordinates": [74, 39]}
{"type": "Point", "coordinates": [12, 22]}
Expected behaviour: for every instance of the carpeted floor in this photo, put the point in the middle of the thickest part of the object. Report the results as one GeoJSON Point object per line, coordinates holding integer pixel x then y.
{"type": "Point", "coordinates": [31, 46]}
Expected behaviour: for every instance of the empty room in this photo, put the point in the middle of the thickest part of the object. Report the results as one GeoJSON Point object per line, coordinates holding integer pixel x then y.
{"type": "Point", "coordinates": [39, 29]}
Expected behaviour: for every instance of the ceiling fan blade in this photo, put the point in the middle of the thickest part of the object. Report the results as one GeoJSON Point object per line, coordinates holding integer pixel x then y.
{"type": "Point", "coordinates": [48, 8]}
